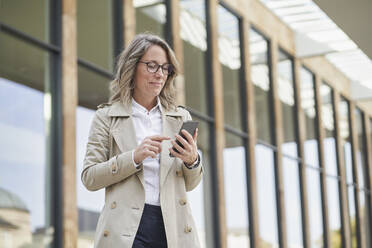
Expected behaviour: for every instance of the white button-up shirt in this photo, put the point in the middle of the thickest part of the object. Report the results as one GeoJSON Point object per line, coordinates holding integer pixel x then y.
{"type": "Point", "coordinates": [148, 123]}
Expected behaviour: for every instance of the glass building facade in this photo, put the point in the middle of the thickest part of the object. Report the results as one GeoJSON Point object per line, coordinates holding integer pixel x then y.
{"type": "Point", "coordinates": [294, 150]}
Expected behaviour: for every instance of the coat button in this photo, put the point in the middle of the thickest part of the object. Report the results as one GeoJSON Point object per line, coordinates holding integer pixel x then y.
{"type": "Point", "coordinates": [188, 229]}
{"type": "Point", "coordinates": [183, 202]}
{"type": "Point", "coordinates": [114, 168]}
{"type": "Point", "coordinates": [105, 233]}
{"type": "Point", "coordinates": [113, 205]}
{"type": "Point", "coordinates": [179, 173]}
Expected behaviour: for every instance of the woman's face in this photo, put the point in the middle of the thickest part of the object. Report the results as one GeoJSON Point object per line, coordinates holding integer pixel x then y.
{"type": "Point", "coordinates": [149, 85]}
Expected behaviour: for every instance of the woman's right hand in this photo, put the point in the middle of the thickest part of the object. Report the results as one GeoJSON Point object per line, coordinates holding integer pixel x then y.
{"type": "Point", "coordinates": [150, 147]}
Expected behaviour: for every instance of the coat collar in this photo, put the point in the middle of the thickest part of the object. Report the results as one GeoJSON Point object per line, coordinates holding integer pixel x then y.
{"type": "Point", "coordinates": [125, 110]}
{"type": "Point", "coordinates": [170, 126]}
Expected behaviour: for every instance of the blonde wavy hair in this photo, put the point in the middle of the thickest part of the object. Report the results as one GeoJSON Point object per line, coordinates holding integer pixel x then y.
{"type": "Point", "coordinates": [123, 84]}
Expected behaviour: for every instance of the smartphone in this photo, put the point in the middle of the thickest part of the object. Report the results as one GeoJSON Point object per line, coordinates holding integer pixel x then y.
{"type": "Point", "coordinates": [189, 126]}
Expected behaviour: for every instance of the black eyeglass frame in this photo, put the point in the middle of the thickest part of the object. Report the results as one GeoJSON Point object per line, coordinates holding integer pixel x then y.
{"type": "Point", "coordinates": [166, 72]}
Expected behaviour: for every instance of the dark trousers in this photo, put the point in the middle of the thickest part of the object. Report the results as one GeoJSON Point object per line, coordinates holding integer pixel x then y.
{"type": "Point", "coordinates": [151, 232]}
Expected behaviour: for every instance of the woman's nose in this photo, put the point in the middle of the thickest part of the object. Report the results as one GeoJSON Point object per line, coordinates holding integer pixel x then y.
{"type": "Point", "coordinates": [160, 72]}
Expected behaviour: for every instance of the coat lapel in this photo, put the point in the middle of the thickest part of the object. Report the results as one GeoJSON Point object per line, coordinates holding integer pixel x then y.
{"type": "Point", "coordinates": [125, 134]}
{"type": "Point", "coordinates": [171, 125]}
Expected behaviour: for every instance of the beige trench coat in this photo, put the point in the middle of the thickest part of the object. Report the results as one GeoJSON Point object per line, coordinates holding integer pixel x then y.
{"type": "Point", "coordinates": [108, 164]}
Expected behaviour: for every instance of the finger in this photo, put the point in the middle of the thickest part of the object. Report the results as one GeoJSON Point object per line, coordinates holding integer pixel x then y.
{"type": "Point", "coordinates": [188, 136]}
{"type": "Point", "coordinates": [155, 149]}
{"type": "Point", "coordinates": [178, 147]}
{"type": "Point", "coordinates": [149, 153]}
{"type": "Point", "coordinates": [195, 136]}
{"type": "Point", "coordinates": [158, 138]}
{"type": "Point", "coordinates": [185, 144]}
{"type": "Point", "coordinates": [154, 143]}
{"type": "Point", "coordinates": [175, 154]}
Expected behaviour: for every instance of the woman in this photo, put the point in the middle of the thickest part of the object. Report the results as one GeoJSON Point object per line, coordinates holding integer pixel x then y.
{"type": "Point", "coordinates": [128, 154]}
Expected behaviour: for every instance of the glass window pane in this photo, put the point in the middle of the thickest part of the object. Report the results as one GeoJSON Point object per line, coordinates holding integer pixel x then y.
{"type": "Point", "coordinates": [329, 126]}
{"type": "Point", "coordinates": [315, 208]}
{"type": "Point", "coordinates": [260, 77]}
{"type": "Point", "coordinates": [308, 105]}
{"type": "Point", "coordinates": [34, 16]}
{"type": "Point", "coordinates": [352, 215]}
{"type": "Point", "coordinates": [334, 212]}
{"type": "Point", "coordinates": [229, 57]}
{"type": "Point", "coordinates": [267, 209]}
{"type": "Point", "coordinates": [194, 39]}
{"type": "Point", "coordinates": [93, 88]}
{"type": "Point", "coordinates": [360, 153]}
{"type": "Point", "coordinates": [346, 138]}
{"type": "Point", "coordinates": [366, 215]}
{"type": "Point", "coordinates": [292, 202]}
{"type": "Point", "coordinates": [286, 95]}
{"type": "Point", "coordinates": [24, 215]}
{"type": "Point", "coordinates": [236, 193]}
{"type": "Point", "coordinates": [150, 16]}
{"type": "Point", "coordinates": [95, 32]}
{"type": "Point", "coordinates": [362, 173]}
{"type": "Point", "coordinates": [89, 203]}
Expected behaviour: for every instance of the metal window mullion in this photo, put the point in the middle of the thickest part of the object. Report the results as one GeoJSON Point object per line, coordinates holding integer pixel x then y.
{"type": "Point", "coordinates": [323, 178]}
{"type": "Point", "coordinates": [354, 148]}
{"type": "Point", "coordinates": [118, 27]}
{"type": "Point", "coordinates": [55, 153]}
{"type": "Point", "coordinates": [343, 199]}
{"type": "Point", "coordinates": [28, 38]}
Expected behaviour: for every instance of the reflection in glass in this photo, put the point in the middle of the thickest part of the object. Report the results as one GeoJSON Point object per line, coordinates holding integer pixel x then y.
{"type": "Point", "coordinates": [292, 202]}
{"type": "Point", "coordinates": [315, 207]}
{"type": "Point", "coordinates": [267, 209]}
{"type": "Point", "coordinates": [194, 38]}
{"type": "Point", "coordinates": [24, 116]}
{"type": "Point", "coordinates": [95, 23]}
{"type": "Point", "coordinates": [286, 95]}
{"type": "Point", "coordinates": [260, 77]}
{"type": "Point", "coordinates": [236, 194]}
{"type": "Point", "coordinates": [229, 57]}
{"type": "Point", "coordinates": [307, 92]}
{"type": "Point", "coordinates": [150, 16]}
{"type": "Point", "coordinates": [27, 16]}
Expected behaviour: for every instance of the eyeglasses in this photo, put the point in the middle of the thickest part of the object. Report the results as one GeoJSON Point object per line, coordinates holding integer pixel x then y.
{"type": "Point", "coordinates": [153, 67]}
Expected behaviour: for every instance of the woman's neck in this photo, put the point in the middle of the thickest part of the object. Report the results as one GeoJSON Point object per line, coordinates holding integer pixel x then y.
{"type": "Point", "coordinates": [146, 103]}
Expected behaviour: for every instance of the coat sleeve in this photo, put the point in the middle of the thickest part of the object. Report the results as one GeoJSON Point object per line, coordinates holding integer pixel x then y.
{"type": "Point", "coordinates": [192, 176]}
{"type": "Point", "coordinates": [99, 170]}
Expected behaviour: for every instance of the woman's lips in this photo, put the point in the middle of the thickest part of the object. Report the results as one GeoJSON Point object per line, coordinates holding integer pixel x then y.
{"type": "Point", "coordinates": [156, 83]}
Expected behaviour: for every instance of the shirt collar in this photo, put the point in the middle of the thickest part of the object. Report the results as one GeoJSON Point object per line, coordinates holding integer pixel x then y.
{"type": "Point", "coordinates": [138, 107]}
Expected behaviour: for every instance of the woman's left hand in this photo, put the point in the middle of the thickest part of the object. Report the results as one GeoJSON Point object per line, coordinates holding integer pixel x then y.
{"type": "Point", "coordinates": [188, 154]}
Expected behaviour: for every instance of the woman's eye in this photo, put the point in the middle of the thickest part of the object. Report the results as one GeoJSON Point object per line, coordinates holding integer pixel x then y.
{"type": "Point", "coordinates": [152, 65]}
